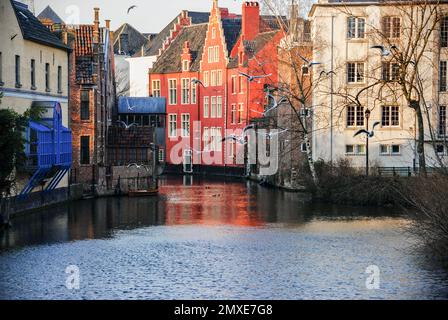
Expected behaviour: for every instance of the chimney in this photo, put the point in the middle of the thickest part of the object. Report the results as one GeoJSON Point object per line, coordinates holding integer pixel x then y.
{"type": "Point", "coordinates": [96, 26]}
{"type": "Point", "coordinates": [250, 20]}
{"type": "Point", "coordinates": [107, 24]}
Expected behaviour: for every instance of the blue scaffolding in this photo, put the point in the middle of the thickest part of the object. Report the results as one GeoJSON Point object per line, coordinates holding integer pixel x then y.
{"type": "Point", "coordinates": [48, 149]}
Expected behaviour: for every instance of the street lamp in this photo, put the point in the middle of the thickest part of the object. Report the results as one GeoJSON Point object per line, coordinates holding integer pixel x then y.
{"type": "Point", "coordinates": [367, 141]}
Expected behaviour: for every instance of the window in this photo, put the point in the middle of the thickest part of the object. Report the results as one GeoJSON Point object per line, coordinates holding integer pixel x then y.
{"type": "Point", "coordinates": [59, 79]}
{"type": "Point", "coordinates": [173, 91]}
{"type": "Point", "coordinates": [390, 71]}
{"type": "Point", "coordinates": [185, 125]}
{"type": "Point", "coordinates": [232, 149]}
{"type": "Point", "coordinates": [85, 105]}
{"type": "Point", "coordinates": [213, 108]}
{"type": "Point", "coordinates": [185, 65]}
{"type": "Point", "coordinates": [233, 88]}
{"type": "Point", "coordinates": [206, 78]}
{"type": "Point", "coordinates": [206, 139]}
{"type": "Point", "coordinates": [193, 91]}
{"type": "Point", "coordinates": [442, 121]}
{"type": "Point", "coordinates": [357, 149]}
{"type": "Point", "coordinates": [33, 74]}
{"type": "Point", "coordinates": [356, 28]}
{"type": "Point", "coordinates": [211, 52]}
{"type": "Point", "coordinates": [213, 33]}
{"type": "Point", "coordinates": [443, 76]}
{"type": "Point", "coordinates": [303, 147]}
{"type": "Point", "coordinates": [47, 77]}
{"type": "Point", "coordinates": [355, 116]}
{"type": "Point", "coordinates": [161, 155]}
{"type": "Point", "coordinates": [384, 149]}
{"type": "Point", "coordinates": [395, 149]}
{"type": "Point", "coordinates": [355, 72]}
{"type": "Point", "coordinates": [85, 150]}
{"type": "Point", "coordinates": [216, 139]}
{"type": "Point", "coordinates": [185, 91]}
{"type": "Point", "coordinates": [391, 27]}
{"type": "Point", "coordinates": [213, 78]}
{"type": "Point", "coordinates": [233, 114]}
{"type": "Point", "coordinates": [219, 78]}
{"type": "Point", "coordinates": [241, 83]}
{"type": "Point", "coordinates": [216, 55]}
{"type": "Point", "coordinates": [18, 84]}
{"type": "Point", "coordinates": [156, 92]}
{"type": "Point", "coordinates": [172, 126]}
{"type": "Point", "coordinates": [206, 107]}
{"type": "Point", "coordinates": [444, 32]}
{"type": "Point", "coordinates": [219, 107]}
{"type": "Point", "coordinates": [390, 116]}
{"type": "Point", "coordinates": [240, 113]}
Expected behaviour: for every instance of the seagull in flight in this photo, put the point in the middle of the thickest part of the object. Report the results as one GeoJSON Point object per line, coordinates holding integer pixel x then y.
{"type": "Point", "coordinates": [131, 8]}
{"type": "Point", "coordinates": [274, 106]}
{"type": "Point", "coordinates": [369, 134]}
{"type": "Point", "coordinates": [253, 78]}
{"type": "Point", "coordinates": [309, 63]}
{"type": "Point", "coordinates": [137, 166]}
{"type": "Point", "coordinates": [384, 51]}
{"type": "Point", "coordinates": [124, 125]}
{"type": "Point", "coordinates": [325, 73]}
{"type": "Point", "coordinates": [275, 133]}
{"type": "Point", "coordinates": [239, 139]}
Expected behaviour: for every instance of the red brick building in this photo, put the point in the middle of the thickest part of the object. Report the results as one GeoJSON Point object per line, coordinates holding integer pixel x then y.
{"type": "Point", "coordinates": [224, 101]}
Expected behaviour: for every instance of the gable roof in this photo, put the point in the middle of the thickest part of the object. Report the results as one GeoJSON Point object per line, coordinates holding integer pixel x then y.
{"type": "Point", "coordinates": [135, 40]}
{"type": "Point", "coordinates": [252, 48]}
{"type": "Point", "coordinates": [169, 61]}
{"type": "Point", "coordinates": [32, 29]}
{"type": "Point", "coordinates": [152, 47]}
{"type": "Point", "coordinates": [48, 13]}
{"type": "Point", "coordinates": [232, 31]}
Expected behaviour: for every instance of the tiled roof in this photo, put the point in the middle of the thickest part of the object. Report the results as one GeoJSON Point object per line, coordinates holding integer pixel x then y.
{"type": "Point", "coordinates": [169, 61]}
{"type": "Point", "coordinates": [152, 48]}
{"type": "Point", "coordinates": [253, 47]}
{"type": "Point", "coordinates": [48, 13]}
{"type": "Point", "coordinates": [232, 31]}
{"type": "Point", "coordinates": [32, 29]}
{"type": "Point", "coordinates": [134, 40]}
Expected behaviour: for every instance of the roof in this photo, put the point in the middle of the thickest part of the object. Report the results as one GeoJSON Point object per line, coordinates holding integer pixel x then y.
{"type": "Point", "coordinates": [131, 105]}
{"type": "Point", "coordinates": [133, 43]}
{"type": "Point", "coordinates": [253, 47]}
{"type": "Point", "coordinates": [152, 48]}
{"type": "Point", "coordinates": [32, 29]}
{"type": "Point", "coordinates": [169, 61]}
{"type": "Point", "coordinates": [232, 31]}
{"type": "Point", "coordinates": [48, 13]}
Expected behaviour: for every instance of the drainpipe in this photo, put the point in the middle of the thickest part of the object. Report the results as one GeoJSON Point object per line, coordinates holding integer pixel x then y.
{"type": "Point", "coordinates": [332, 90]}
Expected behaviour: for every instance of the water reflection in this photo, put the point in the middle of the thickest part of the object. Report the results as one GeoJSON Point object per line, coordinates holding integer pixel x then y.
{"type": "Point", "coordinates": [182, 201]}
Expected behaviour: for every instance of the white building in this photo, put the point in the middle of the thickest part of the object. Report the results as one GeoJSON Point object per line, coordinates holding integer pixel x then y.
{"type": "Point", "coordinates": [344, 33]}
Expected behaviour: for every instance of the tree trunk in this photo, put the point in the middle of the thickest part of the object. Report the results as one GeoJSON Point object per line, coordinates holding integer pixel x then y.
{"type": "Point", "coordinates": [309, 155]}
{"type": "Point", "coordinates": [420, 139]}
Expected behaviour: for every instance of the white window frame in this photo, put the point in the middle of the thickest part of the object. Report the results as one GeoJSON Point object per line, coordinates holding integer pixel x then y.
{"type": "Point", "coordinates": [194, 92]}
{"type": "Point", "coordinates": [357, 29]}
{"type": "Point", "coordinates": [172, 122]}
{"type": "Point", "coordinates": [219, 107]}
{"type": "Point", "coordinates": [185, 91]}
{"type": "Point", "coordinates": [172, 90]}
{"type": "Point", "coordinates": [206, 112]}
{"type": "Point", "coordinates": [185, 125]}
{"type": "Point", "coordinates": [358, 77]}
{"type": "Point", "coordinates": [156, 91]}
{"type": "Point", "coordinates": [213, 106]}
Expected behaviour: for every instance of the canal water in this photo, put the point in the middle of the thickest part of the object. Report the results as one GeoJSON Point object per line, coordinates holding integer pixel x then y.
{"type": "Point", "coordinates": [214, 239]}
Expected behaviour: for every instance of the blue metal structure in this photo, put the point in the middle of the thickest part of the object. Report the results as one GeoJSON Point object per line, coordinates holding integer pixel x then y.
{"type": "Point", "coordinates": [48, 148]}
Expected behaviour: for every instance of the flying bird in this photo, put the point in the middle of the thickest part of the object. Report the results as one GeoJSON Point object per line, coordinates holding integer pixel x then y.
{"type": "Point", "coordinates": [274, 133]}
{"type": "Point", "coordinates": [137, 166]}
{"type": "Point", "coordinates": [325, 73]}
{"type": "Point", "coordinates": [369, 134]}
{"type": "Point", "coordinates": [131, 8]}
{"type": "Point", "coordinates": [124, 125]}
{"type": "Point", "coordinates": [253, 78]}
{"type": "Point", "coordinates": [240, 140]}
{"type": "Point", "coordinates": [309, 63]}
{"type": "Point", "coordinates": [13, 37]}
{"type": "Point", "coordinates": [384, 51]}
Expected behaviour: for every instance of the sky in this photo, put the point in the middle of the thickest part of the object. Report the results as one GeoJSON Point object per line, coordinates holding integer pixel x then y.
{"type": "Point", "coordinates": [150, 16]}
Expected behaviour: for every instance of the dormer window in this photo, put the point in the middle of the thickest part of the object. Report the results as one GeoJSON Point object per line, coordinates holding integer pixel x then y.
{"type": "Point", "coordinates": [185, 65]}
